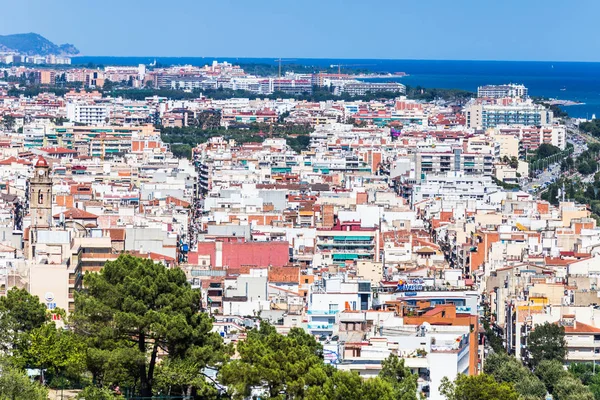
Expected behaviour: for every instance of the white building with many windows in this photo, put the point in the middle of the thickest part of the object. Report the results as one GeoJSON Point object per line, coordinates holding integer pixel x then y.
{"type": "Point", "coordinates": [500, 91]}
{"type": "Point", "coordinates": [89, 114]}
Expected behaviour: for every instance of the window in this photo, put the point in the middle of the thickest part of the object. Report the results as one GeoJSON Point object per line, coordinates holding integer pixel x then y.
{"type": "Point", "coordinates": [333, 307]}
{"type": "Point", "coordinates": [364, 286]}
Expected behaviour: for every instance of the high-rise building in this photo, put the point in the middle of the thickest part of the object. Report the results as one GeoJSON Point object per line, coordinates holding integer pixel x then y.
{"type": "Point", "coordinates": [486, 116]}
{"type": "Point", "coordinates": [89, 114]}
{"type": "Point", "coordinates": [500, 91]}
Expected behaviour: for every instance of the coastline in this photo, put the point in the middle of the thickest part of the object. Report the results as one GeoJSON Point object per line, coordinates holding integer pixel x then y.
{"type": "Point", "coordinates": [379, 76]}
{"type": "Point", "coordinates": [565, 103]}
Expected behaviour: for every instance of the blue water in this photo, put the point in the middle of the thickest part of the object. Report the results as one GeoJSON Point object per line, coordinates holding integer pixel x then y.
{"type": "Point", "coordinates": [580, 81]}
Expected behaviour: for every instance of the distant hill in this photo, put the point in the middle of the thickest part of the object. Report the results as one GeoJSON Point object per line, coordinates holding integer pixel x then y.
{"type": "Point", "coordinates": [34, 44]}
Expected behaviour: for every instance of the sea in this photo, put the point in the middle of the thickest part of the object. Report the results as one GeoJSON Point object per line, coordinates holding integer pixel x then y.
{"type": "Point", "coordinates": [575, 81]}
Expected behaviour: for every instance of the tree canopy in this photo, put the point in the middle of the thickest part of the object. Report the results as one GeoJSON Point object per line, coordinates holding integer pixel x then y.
{"type": "Point", "coordinates": [545, 150]}
{"type": "Point", "coordinates": [507, 369]}
{"type": "Point", "coordinates": [546, 342]}
{"type": "Point", "coordinates": [16, 385]}
{"type": "Point", "coordinates": [280, 364]}
{"type": "Point", "coordinates": [275, 366]}
{"type": "Point", "coordinates": [477, 387]}
{"type": "Point", "coordinates": [592, 127]}
{"type": "Point", "coordinates": [136, 307]}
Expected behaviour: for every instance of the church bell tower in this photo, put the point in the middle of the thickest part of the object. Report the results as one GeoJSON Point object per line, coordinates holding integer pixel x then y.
{"type": "Point", "coordinates": [40, 196]}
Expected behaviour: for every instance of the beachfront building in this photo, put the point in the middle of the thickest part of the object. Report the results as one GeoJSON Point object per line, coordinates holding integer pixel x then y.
{"type": "Point", "coordinates": [285, 85]}
{"type": "Point", "coordinates": [362, 88]}
{"type": "Point", "coordinates": [489, 115]}
{"type": "Point", "coordinates": [529, 137]}
{"type": "Point", "coordinates": [501, 91]}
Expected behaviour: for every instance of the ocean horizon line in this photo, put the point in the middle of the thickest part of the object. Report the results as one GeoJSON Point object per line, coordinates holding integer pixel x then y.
{"type": "Point", "coordinates": [289, 60]}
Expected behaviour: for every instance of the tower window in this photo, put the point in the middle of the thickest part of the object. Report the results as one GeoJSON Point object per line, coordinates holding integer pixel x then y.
{"type": "Point", "coordinates": [40, 197]}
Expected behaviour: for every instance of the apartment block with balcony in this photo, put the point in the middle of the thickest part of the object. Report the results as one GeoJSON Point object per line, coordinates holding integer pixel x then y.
{"type": "Point", "coordinates": [88, 114]}
{"type": "Point", "coordinates": [583, 340]}
{"type": "Point", "coordinates": [428, 163]}
{"type": "Point", "coordinates": [346, 242]}
{"type": "Point", "coordinates": [501, 91]}
{"type": "Point", "coordinates": [331, 295]}
{"type": "Point", "coordinates": [484, 116]}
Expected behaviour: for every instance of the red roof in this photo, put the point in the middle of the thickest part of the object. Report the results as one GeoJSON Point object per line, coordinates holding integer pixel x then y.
{"type": "Point", "coordinates": [580, 327]}
{"type": "Point", "coordinates": [11, 160]}
{"type": "Point", "coordinates": [58, 150]}
{"type": "Point", "coordinates": [41, 162]}
{"type": "Point", "coordinates": [284, 274]}
{"type": "Point", "coordinates": [76, 213]}
{"type": "Point", "coordinates": [116, 234]}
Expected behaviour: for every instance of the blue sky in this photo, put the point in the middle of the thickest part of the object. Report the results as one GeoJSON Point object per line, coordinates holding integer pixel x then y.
{"type": "Point", "coordinates": [556, 30]}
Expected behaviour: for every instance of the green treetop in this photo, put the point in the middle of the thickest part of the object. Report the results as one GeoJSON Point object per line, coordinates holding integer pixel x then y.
{"type": "Point", "coordinates": [477, 387]}
{"type": "Point", "coordinates": [546, 342]}
{"type": "Point", "coordinates": [132, 309]}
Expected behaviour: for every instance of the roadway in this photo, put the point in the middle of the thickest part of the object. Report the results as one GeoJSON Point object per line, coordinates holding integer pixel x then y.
{"type": "Point", "coordinates": [552, 173]}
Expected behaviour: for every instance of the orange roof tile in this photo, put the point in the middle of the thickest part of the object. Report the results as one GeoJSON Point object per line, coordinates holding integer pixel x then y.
{"type": "Point", "coordinates": [76, 213]}
{"type": "Point", "coordinates": [284, 274]}
{"type": "Point", "coordinates": [580, 327]}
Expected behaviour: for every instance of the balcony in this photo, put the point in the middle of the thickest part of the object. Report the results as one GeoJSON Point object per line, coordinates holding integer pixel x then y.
{"type": "Point", "coordinates": [362, 252]}
{"type": "Point", "coordinates": [346, 243]}
{"type": "Point", "coordinates": [320, 327]}
{"type": "Point", "coordinates": [322, 312]}
{"type": "Point", "coordinates": [582, 356]}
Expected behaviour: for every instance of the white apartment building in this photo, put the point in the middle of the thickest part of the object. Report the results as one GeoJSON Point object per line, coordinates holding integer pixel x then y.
{"type": "Point", "coordinates": [500, 91]}
{"type": "Point", "coordinates": [454, 187]}
{"type": "Point", "coordinates": [88, 114]}
{"type": "Point", "coordinates": [530, 137]}
{"type": "Point", "coordinates": [484, 116]}
{"type": "Point", "coordinates": [333, 295]}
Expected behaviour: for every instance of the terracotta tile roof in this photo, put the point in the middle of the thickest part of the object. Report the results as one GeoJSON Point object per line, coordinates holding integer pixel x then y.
{"type": "Point", "coordinates": [76, 213]}
{"type": "Point", "coordinates": [58, 150]}
{"type": "Point", "coordinates": [41, 162]}
{"type": "Point", "coordinates": [116, 234]}
{"type": "Point", "coordinates": [580, 327]}
{"type": "Point", "coordinates": [81, 189]}
{"type": "Point", "coordinates": [557, 261]}
{"type": "Point", "coordinates": [11, 160]}
{"type": "Point", "coordinates": [284, 274]}
{"type": "Point", "coordinates": [242, 269]}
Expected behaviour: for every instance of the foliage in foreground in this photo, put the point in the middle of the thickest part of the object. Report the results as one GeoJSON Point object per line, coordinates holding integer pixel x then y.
{"type": "Point", "coordinates": [292, 367]}
{"type": "Point", "coordinates": [132, 309]}
{"type": "Point", "coordinates": [547, 342]}
{"type": "Point", "coordinates": [507, 369]}
{"type": "Point", "coordinates": [477, 387]}
{"type": "Point", "coordinates": [16, 385]}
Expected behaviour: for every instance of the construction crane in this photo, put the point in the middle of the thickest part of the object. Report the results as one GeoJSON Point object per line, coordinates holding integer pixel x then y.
{"type": "Point", "coordinates": [339, 67]}
{"type": "Point", "coordinates": [279, 61]}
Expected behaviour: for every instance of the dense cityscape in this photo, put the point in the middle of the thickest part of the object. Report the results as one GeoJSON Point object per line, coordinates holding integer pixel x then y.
{"type": "Point", "coordinates": [229, 231]}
